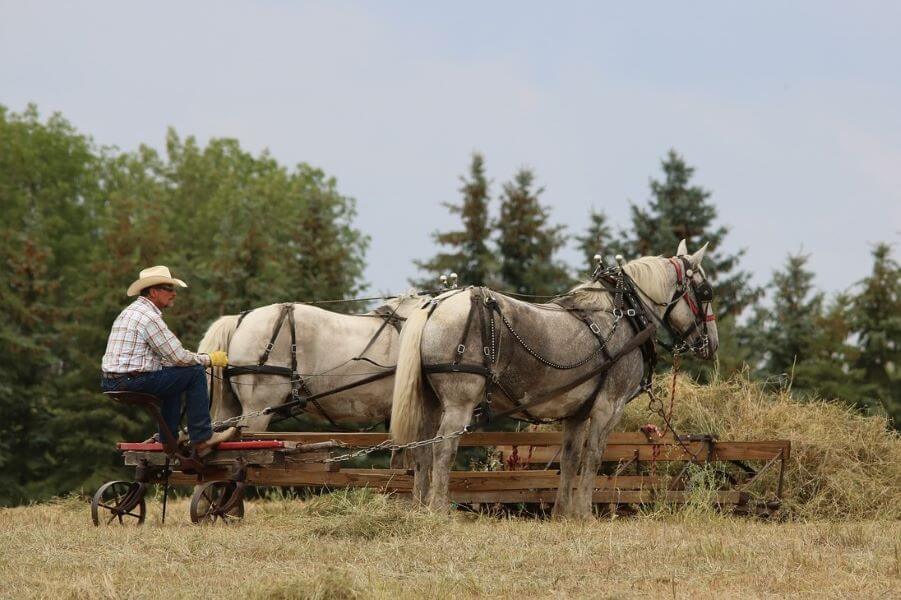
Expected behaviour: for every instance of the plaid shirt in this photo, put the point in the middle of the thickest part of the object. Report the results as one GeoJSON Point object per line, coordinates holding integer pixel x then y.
{"type": "Point", "coordinates": [141, 341]}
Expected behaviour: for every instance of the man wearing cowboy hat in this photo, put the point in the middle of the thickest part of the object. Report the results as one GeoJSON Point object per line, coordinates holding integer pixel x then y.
{"type": "Point", "coordinates": [143, 355]}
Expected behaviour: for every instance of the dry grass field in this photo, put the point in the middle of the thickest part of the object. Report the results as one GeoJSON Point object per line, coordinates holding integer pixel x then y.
{"type": "Point", "coordinates": [358, 545]}
{"type": "Point", "coordinates": [839, 535]}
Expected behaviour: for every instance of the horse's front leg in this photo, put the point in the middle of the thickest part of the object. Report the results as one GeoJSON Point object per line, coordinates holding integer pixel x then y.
{"type": "Point", "coordinates": [574, 432]}
{"type": "Point", "coordinates": [603, 418]}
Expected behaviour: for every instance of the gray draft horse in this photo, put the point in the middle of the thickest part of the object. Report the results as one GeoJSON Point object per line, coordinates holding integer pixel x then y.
{"type": "Point", "coordinates": [541, 350]}
{"type": "Point", "coordinates": [333, 350]}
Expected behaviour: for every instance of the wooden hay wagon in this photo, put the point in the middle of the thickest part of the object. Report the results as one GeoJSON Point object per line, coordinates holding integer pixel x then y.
{"type": "Point", "coordinates": [638, 469]}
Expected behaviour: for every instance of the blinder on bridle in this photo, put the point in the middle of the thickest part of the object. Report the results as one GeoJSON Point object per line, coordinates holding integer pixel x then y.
{"type": "Point", "coordinates": [703, 291]}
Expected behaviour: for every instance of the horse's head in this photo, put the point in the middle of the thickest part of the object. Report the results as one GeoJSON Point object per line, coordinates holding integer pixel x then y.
{"type": "Point", "coordinates": [688, 314]}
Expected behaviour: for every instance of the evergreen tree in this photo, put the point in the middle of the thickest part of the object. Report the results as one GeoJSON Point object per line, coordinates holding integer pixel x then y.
{"type": "Point", "coordinates": [876, 321]}
{"type": "Point", "coordinates": [801, 341]}
{"type": "Point", "coordinates": [596, 239]}
{"type": "Point", "coordinates": [527, 243]}
{"type": "Point", "coordinates": [828, 370]}
{"type": "Point", "coordinates": [679, 210]}
{"type": "Point", "coordinates": [789, 326]}
{"type": "Point", "coordinates": [468, 255]}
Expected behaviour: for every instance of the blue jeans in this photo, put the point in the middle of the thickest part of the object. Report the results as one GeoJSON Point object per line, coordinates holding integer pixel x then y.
{"type": "Point", "coordinates": [168, 384]}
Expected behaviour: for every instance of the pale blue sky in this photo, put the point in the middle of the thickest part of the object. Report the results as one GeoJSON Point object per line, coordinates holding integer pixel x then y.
{"type": "Point", "coordinates": [791, 112]}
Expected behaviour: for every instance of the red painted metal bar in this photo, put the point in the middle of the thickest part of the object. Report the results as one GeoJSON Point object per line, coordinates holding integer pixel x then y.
{"type": "Point", "coordinates": [251, 445]}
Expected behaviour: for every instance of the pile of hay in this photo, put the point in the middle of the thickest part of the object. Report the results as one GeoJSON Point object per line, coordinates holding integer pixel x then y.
{"type": "Point", "coordinates": [843, 465]}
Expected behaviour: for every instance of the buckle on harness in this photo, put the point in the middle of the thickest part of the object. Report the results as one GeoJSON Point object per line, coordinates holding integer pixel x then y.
{"type": "Point", "coordinates": [269, 347]}
{"type": "Point", "coordinates": [594, 327]}
{"type": "Point", "coordinates": [618, 313]}
{"type": "Point", "coordinates": [631, 312]}
{"type": "Point", "coordinates": [461, 349]}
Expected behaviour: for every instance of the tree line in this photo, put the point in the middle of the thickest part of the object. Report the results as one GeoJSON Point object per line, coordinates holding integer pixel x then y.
{"type": "Point", "coordinates": [77, 222]}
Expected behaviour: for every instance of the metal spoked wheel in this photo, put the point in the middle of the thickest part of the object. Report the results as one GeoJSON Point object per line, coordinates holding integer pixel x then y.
{"type": "Point", "coordinates": [119, 502]}
{"type": "Point", "coordinates": [214, 501]}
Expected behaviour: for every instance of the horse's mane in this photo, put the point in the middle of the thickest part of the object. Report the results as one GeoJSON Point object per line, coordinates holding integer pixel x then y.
{"type": "Point", "coordinates": [410, 294]}
{"type": "Point", "coordinates": [648, 272]}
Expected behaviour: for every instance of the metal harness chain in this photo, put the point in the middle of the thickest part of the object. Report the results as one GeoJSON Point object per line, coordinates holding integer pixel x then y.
{"type": "Point", "coordinates": [233, 421]}
{"type": "Point", "coordinates": [617, 313]}
{"type": "Point", "coordinates": [617, 316]}
{"type": "Point", "coordinates": [656, 405]}
{"type": "Point", "coordinates": [387, 445]}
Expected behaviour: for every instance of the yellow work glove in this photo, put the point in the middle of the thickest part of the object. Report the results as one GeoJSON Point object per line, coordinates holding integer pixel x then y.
{"type": "Point", "coordinates": [218, 359]}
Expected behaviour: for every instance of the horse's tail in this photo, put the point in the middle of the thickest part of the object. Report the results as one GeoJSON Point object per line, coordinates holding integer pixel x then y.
{"type": "Point", "coordinates": [218, 337]}
{"type": "Point", "coordinates": [407, 403]}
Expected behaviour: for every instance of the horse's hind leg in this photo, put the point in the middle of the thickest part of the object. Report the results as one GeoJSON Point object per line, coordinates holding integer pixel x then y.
{"type": "Point", "coordinates": [574, 433]}
{"type": "Point", "coordinates": [423, 456]}
{"type": "Point", "coordinates": [458, 394]}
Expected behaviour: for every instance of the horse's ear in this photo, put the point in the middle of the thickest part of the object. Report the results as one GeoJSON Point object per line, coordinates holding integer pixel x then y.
{"type": "Point", "coordinates": [682, 250]}
{"type": "Point", "coordinates": [696, 258]}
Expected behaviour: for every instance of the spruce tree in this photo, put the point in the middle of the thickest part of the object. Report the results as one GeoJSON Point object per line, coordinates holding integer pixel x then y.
{"type": "Point", "coordinates": [468, 253]}
{"type": "Point", "coordinates": [527, 243]}
{"type": "Point", "coordinates": [828, 371]}
{"type": "Point", "coordinates": [595, 241]}
{"type": "Point", "coordinates": [680, 210]}
{"type": "Point", "coordinates": [876, 321]}
{"type": "Point", "coordinates": [785, 330]}
{"type": "Point", "coordinates": [800, 341]}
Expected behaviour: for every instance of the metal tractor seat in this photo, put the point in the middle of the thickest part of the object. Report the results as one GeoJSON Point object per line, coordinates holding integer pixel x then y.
{"type": "Point", "coordinates": [152, 405]}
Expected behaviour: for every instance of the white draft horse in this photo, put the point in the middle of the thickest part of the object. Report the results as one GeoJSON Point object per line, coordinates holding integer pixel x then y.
{"type": "Point", "coordinates": [547, 354]}
{"type": "Point", "coordinates": [332, 350]}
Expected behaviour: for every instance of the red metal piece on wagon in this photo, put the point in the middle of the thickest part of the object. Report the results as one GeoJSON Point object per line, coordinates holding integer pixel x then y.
{"type": "Point", "coordinates": [651, 431]}
{"type": "Point", "coordinates": [249, 445]}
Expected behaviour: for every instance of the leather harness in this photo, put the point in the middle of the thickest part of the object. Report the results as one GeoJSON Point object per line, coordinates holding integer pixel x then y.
{"type": "Point", "coordinates": [626, 304]}
{"type": "Point", "coordinates": [300, 393]}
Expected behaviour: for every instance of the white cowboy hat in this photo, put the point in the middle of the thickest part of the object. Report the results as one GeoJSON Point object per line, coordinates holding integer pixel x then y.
{"type": "Point", "coordinates": [153, 276]}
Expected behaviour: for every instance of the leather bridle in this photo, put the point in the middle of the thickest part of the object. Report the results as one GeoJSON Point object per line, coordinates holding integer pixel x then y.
{"type": "Point", "coordinates": [697, 296]}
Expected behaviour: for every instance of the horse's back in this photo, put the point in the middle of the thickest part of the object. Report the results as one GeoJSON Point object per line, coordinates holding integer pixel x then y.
{"type": "Point", "coordinates": [549, 328]}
